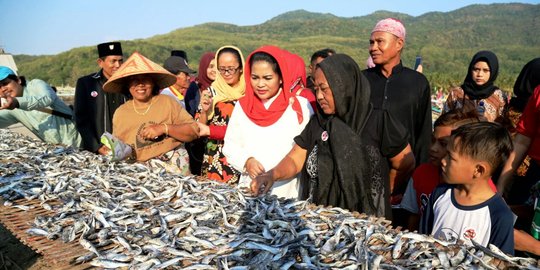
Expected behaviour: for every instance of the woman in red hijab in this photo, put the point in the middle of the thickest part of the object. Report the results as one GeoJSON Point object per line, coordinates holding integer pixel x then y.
{"type": "Point", "coordinates": [272, 112]}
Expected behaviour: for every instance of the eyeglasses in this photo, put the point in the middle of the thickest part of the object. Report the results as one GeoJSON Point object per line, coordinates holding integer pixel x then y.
{"type": "Point", "coordinates": [229, 70]}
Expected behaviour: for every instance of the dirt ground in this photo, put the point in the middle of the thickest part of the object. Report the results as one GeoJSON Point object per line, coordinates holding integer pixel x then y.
{"type": "Point", "coordinates": [15, 255]}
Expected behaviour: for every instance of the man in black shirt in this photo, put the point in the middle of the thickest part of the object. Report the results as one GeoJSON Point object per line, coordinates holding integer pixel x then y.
{"type": "Point", "coordinates": [402, 92]}
{"type": "Point", "coordinates": [93, 107]}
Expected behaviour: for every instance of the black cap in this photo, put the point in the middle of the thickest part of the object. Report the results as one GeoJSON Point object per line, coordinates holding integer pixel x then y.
{"type": "Point", "coordinates": [180, 53]}
{"type": "Point", "coordinates": [177, 64]}
{"type": "Point", "coordinates": [109, 48]}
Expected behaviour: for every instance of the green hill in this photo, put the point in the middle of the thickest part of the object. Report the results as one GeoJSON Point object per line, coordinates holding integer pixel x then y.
{"type": "Point", "coordinates": [446, 41]}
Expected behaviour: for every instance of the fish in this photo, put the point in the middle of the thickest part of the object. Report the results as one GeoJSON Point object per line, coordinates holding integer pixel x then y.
{"type": "Point", "coordinates": [127, 215]}
{"type": "Point", "coordinates": [88, 246]}
{"type": "Point", "coordinates": [108, 263]}
{"type": "Point", "coordinates": [37, 231]}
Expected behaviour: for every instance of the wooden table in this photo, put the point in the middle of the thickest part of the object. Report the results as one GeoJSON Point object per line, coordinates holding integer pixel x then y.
{"type": "Point", "coordinates": [56, 253]}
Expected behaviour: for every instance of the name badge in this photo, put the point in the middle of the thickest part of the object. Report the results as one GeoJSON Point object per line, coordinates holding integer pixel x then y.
{"type": "Point", "coordinates": [324, 136]}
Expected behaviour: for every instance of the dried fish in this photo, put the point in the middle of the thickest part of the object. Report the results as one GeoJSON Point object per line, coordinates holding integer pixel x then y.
{"type": "Point", "coordinates": [128, 216]}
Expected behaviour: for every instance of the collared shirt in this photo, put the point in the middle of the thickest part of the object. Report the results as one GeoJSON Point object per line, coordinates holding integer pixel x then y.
{"type": "Point", "coordinates": [171, 91]}
{"type": "Point", "coordinates": [94, 109]}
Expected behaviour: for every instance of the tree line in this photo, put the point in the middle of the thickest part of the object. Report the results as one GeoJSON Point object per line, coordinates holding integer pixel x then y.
{"type": "Point", "coordinates": [446, 41]}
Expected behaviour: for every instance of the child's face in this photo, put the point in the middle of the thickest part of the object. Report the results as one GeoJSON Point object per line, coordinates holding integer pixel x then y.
{"type": "Point", "coordinates": [457, 168]}
{"type": "Point", "coordinates": [439, 141]}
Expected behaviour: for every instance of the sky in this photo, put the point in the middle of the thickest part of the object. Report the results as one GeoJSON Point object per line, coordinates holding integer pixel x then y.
{"type": "Point", "coordinates": [37, 27]}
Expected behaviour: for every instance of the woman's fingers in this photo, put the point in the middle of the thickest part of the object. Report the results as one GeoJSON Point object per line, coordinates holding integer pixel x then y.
{"type": "Point", "coordinates": [254, 168]}
{"type": "Point", "coordinates": [150, 132]}
{"type": "Point", "coordinates": [261, 184]}
{"type": "Point", "coordinates": [255, 187]}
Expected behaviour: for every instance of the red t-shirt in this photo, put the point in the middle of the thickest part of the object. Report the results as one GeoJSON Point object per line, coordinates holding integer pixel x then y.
{"type": "Point", "coordinates": [528, 124]}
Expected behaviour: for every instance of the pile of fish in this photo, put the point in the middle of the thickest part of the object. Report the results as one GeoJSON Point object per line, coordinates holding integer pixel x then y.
{"type": "Point", "coordinates": [129, 217]}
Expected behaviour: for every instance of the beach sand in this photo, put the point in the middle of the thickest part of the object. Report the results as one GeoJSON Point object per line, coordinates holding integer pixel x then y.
{"type": "Point", "coordinates": [19, 128]}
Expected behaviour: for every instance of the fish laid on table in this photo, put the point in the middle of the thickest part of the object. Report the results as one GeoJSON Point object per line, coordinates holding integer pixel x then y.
{"type": "Point", "coordinates": [129, 217]}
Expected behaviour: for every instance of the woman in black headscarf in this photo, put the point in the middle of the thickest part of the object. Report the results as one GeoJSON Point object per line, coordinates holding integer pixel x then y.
{"type": "Point", "coordinates": [344, 150]}
{"type": "Point", "coordinates": [527, 80]}
{"type": "Point", "coordinates": [479, 89]}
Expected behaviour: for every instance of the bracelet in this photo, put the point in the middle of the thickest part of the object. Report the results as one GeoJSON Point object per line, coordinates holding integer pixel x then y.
{"type": "Point", "coordinates": [166, 130]}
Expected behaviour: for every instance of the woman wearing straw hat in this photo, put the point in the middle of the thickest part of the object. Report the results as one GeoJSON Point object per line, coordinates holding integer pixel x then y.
{"type": "Point", "coordinates": [155, 126]}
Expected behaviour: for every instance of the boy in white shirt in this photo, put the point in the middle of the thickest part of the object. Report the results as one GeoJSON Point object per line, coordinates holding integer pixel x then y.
{"type": "Point", "coordinates": [467, 208]}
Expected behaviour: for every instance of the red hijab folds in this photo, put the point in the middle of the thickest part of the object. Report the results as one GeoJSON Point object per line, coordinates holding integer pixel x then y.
{"type": "Point", "coordinates": [293, 72]}
{"type": "Point", "coordinates": [298, 69]}
{"type": "Point", "coordinates": [202, 78]}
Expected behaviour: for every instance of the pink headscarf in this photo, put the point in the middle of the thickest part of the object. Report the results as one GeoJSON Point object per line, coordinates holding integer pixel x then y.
{"type": "Point", "coordinates": [369, 62]}
{"type": "Point", "coordinates": [392, 26]}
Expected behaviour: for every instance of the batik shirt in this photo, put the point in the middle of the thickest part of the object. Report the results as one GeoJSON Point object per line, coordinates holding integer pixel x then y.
{"type": "Point", "coordinates": [215, 165]}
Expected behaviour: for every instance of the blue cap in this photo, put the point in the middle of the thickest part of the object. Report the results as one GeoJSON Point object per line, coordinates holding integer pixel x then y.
{"type": "Point", "coordinates": [5, 72]}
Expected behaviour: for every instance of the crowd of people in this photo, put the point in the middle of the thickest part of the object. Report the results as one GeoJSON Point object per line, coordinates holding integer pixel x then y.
{"type": "Point", "coordinates": [359, 139]}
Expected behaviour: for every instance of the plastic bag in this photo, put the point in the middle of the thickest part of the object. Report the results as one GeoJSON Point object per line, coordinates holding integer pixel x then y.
{"type": "Point", "coordinates": [119, 150]}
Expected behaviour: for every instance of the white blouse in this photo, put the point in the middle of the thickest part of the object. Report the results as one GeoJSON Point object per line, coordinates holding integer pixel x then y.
{"type": "Point", "coordinates": [268, 145]}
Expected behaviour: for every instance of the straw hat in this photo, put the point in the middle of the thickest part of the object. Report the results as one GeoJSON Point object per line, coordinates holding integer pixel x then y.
{"type": "Point", "coordinates": [137, 64]}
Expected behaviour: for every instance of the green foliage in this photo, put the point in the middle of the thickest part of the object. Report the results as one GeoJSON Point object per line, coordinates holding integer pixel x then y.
{"type": "Point", "coordinates": [446, 41]}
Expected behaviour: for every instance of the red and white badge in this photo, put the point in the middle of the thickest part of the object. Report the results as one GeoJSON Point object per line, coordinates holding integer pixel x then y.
{"type": "Point", "coordinates": [324, 136]}
{"type": "Point", "coordinates": [94, 94]}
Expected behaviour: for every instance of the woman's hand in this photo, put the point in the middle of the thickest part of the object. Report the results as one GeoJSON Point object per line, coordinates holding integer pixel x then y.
{"type": "Point", "coordinates": [204, 130]}
{"type": "Point", "coordinates": [104, 150]}
{"type": "Point", "coordinates": [206, 100]}
{"type": "Point", "coordinates": [262, 183]}
{"type": "Point", "coordinates": [152, 132]}
{"type": "Point", "coordinates": [288, 167]}
{"type": "Point", "coordinates": [253, 167]}
{"type": "Point", "coordinates": [9, 103]}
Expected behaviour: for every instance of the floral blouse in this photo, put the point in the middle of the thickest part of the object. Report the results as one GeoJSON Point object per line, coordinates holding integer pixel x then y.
{"type": "Point", "coordinates": [215, 165]}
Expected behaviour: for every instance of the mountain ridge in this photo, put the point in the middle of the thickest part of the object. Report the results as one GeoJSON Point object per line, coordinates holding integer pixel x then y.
{"type": "Point", "coordinates": [446, 40]}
